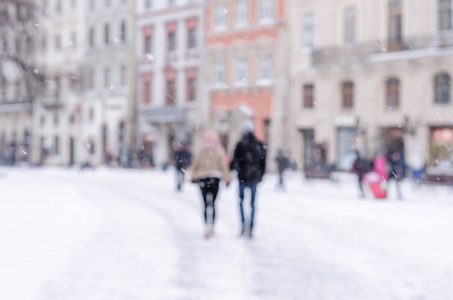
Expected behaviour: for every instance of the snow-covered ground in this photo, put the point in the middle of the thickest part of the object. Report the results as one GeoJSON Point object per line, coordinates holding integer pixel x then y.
{"type": "Point", "coordinates": [127, 234]}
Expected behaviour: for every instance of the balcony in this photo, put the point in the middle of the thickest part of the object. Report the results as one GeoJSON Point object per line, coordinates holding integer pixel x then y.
{"type": "Point", "coordinates": [15, 107]}
{"type": "Point", "coordinates": [352, 54]}
{"type": "Point", "coordinates": [165, 114]}
{"type": "Point", "coordinates": [52, 103]}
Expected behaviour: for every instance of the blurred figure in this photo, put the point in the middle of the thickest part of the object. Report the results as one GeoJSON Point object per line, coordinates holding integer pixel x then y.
{"type": "Point", "coordinates": [249, 161]}
{"type": "Point", "coordinates": [397, 168]}
{"type": "Point", "coordinates": [13, 148]}
{"type": "Point", "coordinates": [360, 167]}
{"type": "Point", "coordinates": [282, 164]}
{"type": "Point", "coordinates": [182, 160]}
{"type": "Point", "coordinates": [376, 179]}
{"type": "Point", "coordinates": [208, 168]}
{"type": "Point", "coordinates": [417, 166]}
{"type": "Point", "coordinates": [380, 166]}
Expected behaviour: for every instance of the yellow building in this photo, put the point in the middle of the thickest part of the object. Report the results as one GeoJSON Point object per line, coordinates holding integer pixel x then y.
{"type": "Point", "coordinates": [372, 75]}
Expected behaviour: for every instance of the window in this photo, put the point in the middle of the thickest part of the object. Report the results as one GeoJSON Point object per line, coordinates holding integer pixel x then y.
{"type": "Point", "coordinates": [347, 92]}
{"type": "Point", "coordinates": [106, 34]}
{"type": "Point", "coordinates": [266, 9]}
{"type": "Point", "coordinates": [3, 87]}
{"type": "Point", "coordinates": [58, 7]}
{"type": "Point", "coordinates": [148, 4]}
{"type": "Point", "coordinates": [5, 45]}
{"type": "Point", "coordinates": [192, 36]}
{"type": "Point", "coordinates": [308, 96]}
{"type": "Point", "coordinates": [57, 86]}
{"type": "Point", "coordinates": [92, 5]}
{"type": "Point", "coordinates": [123, 31]}
{"type": "Point", "coordinates": [18, 45]}
{"type": "Point", "coordinates": [91, 147]}
{"type": "Point", "coordinates": [91, 79]}
{"type": "Point", "coordinates": [242, 12]}
{"type": "Point", "coordinates": [73, 40]}
{"type": "Point", "coordinates": [17, 89]}
{"type": "Point", "coordinates": [395, 26]}
{"type": "Point", "coordinates": [171, 41]}
{"type": "Point", "coordinates": [91, 37]}
{"type": "Point", "coordinates": [107, 78]}
{"type": "Point", "coordinates": [241, 69]}
{"type": "Point", "coordinates": [191, 89]}
{"type": "Point", "coordinates": [308, 30]}
{"type": "Point", "coordinates": [123, 79]}
{"type": "Point", "coordinates": [107, 3]}
{"type": "Point", "coordinates": [220, 16]}
{"type": "Point", "coordinates": [442, 88]}
{"type": "Point", "coordinates": [349, 25]}
{"type": "Point", "coordinates": [91, 114]}
{"type": "Point", "coordinates": [393, 93]}
{"type": "Point", "coordinates": [147, 91]}
{"type": "Point", "coordinates": [148, 45]}
{"type": "Point", "coordinates": [58, 42]}
{"type": "Point", "coordinates": [44, 44]}
{"type": "Point", "coordinates": [265, 66]}
{"type": "Point", "coordinates": [73, 3]}
{"type": "Point", "coordinates": [220, 70]}
{"type": "Point", "coordinates": [171, 2]}
{"type": "Point", "coordinates": [171, 92]}
{"type": "Point", "coordinates": [444, 14]}
{"type": "Point", "coordinates": [56, 148]}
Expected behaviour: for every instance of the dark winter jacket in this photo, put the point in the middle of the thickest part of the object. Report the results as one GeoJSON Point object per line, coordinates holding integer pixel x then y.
{"type": "Point", "coordinates": [282, 163]}
{"type": "Point", "coordinates": [183, 158]}
{"type": "Point", "coordinates": [397, 165]}
{"type": "Point", "coordinates": [249, 159]}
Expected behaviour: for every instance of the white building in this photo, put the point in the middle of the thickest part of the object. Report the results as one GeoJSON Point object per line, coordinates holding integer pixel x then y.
{"type": "Point", "coordinates": [60, 51]}
{"type": "Point", "coordinates": [169, 44]}
{"type": "Point", "coordinates": [104, 108]}
{"type": "Point", "coordinates": [18, 88]}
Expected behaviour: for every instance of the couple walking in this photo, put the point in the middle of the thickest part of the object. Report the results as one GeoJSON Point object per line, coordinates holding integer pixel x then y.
{"type": "Point", "coordinates": [209, 167]}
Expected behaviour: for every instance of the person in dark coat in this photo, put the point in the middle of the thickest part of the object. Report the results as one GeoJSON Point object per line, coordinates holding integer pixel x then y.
{"type": "Point", "coordinates": [282, 164]}
{"type": "Point", "coordinates": [397, 170]}
{"type": "Point", "coordinates": [249, 161]}
{"type": "Point", "coordinates": [183, 159]}
{"type": "Point", "coordinates": [360, 168]}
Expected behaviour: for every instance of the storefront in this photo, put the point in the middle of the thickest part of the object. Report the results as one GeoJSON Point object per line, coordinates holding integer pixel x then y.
{"type": "Point", "coordinates": [392, 139]}
{"type": "Point", "coordinates": [441, 150]}
{"type": "Point", "coordinates": [346, 137]}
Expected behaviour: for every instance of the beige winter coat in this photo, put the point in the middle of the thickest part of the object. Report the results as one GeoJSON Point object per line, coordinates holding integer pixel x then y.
{"type": "Point", "coordinates": [210, 162]}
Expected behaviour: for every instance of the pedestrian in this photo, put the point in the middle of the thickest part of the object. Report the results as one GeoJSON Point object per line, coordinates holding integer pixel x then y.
{"type": "Point", "coordinates": [208, 168]}
{"type": "Point", "coordinates": [282, 164]}
{"type": "Point", "coordinates": [249, 161]}
{"type": "Point", "coordinates": [397, 170]}
{"type": "Point", "coordinates": [359, 167]}
{"type": "Point", "coordinates": [183, 157]}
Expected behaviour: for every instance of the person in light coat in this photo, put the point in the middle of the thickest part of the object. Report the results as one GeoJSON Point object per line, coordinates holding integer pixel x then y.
{"type": "Point", "coordinates": [208, 168]}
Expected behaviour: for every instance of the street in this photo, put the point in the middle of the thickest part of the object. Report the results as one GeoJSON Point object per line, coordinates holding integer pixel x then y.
{"type": "Point", "coordinates": [128, 234]}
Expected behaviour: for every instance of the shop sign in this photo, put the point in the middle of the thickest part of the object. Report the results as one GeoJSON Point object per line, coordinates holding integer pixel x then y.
{"type": "Point", "coordinates": [443, 135]}
{"type": "Point", "coordinates": [346, 121]}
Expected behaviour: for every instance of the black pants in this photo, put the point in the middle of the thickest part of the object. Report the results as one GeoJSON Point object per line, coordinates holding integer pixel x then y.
{"type": "Point", "coordinates": [209, 189]}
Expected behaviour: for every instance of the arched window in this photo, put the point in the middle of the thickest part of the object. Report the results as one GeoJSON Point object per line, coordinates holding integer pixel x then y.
{"type": "Point", "coordinates": [442, 88]}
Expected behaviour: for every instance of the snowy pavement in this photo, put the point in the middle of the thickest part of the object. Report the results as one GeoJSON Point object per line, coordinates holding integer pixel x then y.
{"type": "Point", "coordinates": [127, 234]}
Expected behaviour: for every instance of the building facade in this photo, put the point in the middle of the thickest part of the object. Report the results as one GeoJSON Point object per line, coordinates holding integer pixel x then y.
{"type": "Point", "coordinates": [245, 70]}
{"type": "Point", "coordinates": [19, 79]}
{"type": "Point", "coordinates": [372, 76]}
{"type": "Point", "coordinates": [107, 67]}
{"type": "Point", "coordinates": [169, 49]}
